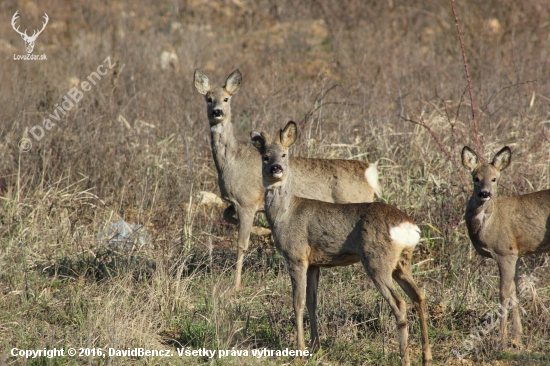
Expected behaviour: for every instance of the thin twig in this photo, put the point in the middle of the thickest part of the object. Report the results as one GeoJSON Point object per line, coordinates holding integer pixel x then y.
{"type": "Point", "coordinates": [422, 123]}
{"type": "Point", "coordinates": [504, 88]}
{"type": "Point", "coordinates": [476, 136]}
{"type": "Point", "coordinates": [318, 102]}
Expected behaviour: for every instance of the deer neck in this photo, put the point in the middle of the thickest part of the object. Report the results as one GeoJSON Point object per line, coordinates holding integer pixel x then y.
{"type": "Point", "coordinates": [223, 142]}
{"type": "Point", "coordinates": [478, 215]}
{"type": "Point", "coordinates": [278, 199]}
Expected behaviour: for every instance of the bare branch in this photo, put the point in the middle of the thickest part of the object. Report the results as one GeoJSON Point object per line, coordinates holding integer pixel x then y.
{"type": "Point", "coordinates": [476, 132]}
{"type": "Point", "coordinates": [442, 147]}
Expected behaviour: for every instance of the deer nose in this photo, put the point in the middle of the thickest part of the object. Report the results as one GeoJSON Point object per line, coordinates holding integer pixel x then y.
{"type": "Point", "coordinates": [484, 194]}
{"type": "Point", "coordinates": [217, 113]}
{"type": "Point", "coordinates": [276, 169]}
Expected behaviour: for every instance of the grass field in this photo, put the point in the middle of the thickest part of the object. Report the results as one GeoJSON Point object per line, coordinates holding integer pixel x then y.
{"type": "Point", "coordinates": [136, 147]}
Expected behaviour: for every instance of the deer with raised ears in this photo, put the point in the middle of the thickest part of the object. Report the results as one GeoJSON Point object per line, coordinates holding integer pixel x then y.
{"type": "Point", "coordinates": [311, 234]}
{"type": "Point", "coordinates": [29, 41]}
{"type": "Point", "coordinates": [239, 168]}
{"type": "Point", "coordinates": [505, 228]}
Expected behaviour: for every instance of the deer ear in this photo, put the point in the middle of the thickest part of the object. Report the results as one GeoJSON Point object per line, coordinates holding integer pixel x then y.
{"type": "Point", "coordinates": [201, 82]}
{"type": "Point", "coordinates": [289, 134]}
{"type": "Point", "coordinates": [233, 82]}
{"type": "Point", "coordinates": [258, 140]}
{"type": "Point", "coordinates": [469, 158]}
{"type": "Point", "coordinates": [502, 158]}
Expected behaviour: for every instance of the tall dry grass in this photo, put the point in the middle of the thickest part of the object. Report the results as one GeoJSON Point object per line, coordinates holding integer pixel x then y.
{"type": "Point", "coordinates": [137, 148]}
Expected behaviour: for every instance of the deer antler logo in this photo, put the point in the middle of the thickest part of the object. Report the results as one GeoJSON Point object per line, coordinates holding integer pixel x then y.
{"type": "Point", "coordinates": [29, 41]}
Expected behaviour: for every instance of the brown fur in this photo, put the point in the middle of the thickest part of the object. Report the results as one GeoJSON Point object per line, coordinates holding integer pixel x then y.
{"type": "Point", "coordinates": [311, 234]}
{"type": "Point", "coordinates": [505, 228]}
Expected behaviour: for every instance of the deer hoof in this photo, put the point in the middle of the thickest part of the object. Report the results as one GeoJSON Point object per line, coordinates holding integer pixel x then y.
{"type": "Point", "coordinates": [260, 231]}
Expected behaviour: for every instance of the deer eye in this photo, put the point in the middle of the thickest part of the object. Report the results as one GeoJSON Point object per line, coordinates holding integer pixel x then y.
{"type": "Point", "coordinates": [265, 158]}
{"type": "Point", "coordinates": [226, 100]}
{"type": "Point", "coordinates": [493, 180]}
{"type": "Point", "coordinates": [476, 179]}
{"type": "Point", "coordinates": [284, 155]}
{"type": "Point", "coordinates": [209, 100]}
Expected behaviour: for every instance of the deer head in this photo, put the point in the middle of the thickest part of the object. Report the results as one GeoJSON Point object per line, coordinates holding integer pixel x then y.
{"type": "Point", "coordinates": [485, 176]}
{"type": "Point", "coordinates": [275, 167]}
{"type": "Point", "coordinates": [217, 99]}
{"type": "Point", "coordinates": [29, 41]}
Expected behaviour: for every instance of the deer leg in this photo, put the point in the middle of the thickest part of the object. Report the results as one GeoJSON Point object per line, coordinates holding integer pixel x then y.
{"type": "Point", "coordinates": [246, 219]}
{"type": "Point", "coordinates": [311, 302]}
{"type": "Point", "coordinates": [298, 276]}
{"type": "Point", "coordinates": [403, 276]}
{"type": "Point", "coordinates": [508, 299]}
{"type": "Point", "coordinates": [228, 215]}
{"type": "Point", "coordinates": [384, 283]}
{"type": "Point", "coordinates": [516, 320]}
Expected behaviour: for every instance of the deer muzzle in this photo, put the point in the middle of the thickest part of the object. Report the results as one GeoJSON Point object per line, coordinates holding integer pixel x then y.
{"type": "Point", "coordinates": [484, 195]}
{"type": "Point", "coordinates": [276, 171]}
{"type": "Point", "coordinates": [217, 113]}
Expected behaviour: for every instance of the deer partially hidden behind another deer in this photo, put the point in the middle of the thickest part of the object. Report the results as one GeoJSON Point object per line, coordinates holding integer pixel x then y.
{"type": "Point", "coordinates": [239, 168]}
{"type": "Point", "coordinates": [311, 234]}
{"type": "Point", "coordinates": [505, 228]}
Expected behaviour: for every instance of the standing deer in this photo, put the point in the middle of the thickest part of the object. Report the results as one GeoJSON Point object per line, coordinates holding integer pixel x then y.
{"type": "Point", "coordinates": [311, 234]}
{"type": "Point", "coordinates": [239, 168]}
{"type": "Point", "coordinates": [505, 228]}
{"type": "Point", "coordinates": [29, 41]}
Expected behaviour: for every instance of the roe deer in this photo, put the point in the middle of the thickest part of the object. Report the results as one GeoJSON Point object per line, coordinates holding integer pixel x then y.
{"type": "Point", "coordinates": [240, 174]}
{"type": "Point", "coordinates": [505, 228]}
{"type": "Point", "coordinates": [311, 234]}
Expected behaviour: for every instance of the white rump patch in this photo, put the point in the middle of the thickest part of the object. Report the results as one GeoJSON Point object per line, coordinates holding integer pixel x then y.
{"type": "Point", "coordinates": [406, 234]}
{"type": "Point", "coordinates": [371, 174]}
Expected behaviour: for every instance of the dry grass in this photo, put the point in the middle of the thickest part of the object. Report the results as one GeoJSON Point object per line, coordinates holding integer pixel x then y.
{"type": "Point", "coordinates": [137, 148]}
